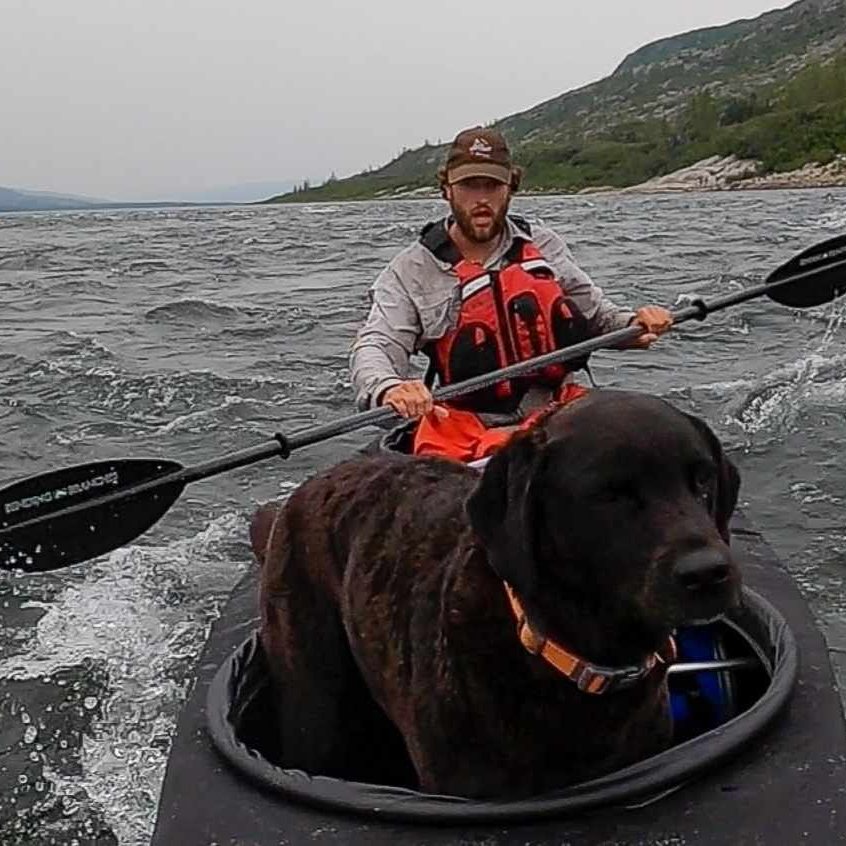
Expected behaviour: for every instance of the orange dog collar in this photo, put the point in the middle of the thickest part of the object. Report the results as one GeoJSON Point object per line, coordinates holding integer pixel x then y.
{"type": "Point", "coordinates": [589, 678]}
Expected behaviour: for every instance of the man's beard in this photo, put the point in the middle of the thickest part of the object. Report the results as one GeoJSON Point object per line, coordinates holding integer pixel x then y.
{"type": "Point", "coordinates": [484, 234]}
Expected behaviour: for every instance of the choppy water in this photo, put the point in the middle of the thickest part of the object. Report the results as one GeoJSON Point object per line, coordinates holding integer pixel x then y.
{"type": "Point", "coordinates": [190, 333]}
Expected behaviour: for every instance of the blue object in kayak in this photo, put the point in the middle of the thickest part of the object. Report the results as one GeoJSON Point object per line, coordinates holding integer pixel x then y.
{"type": "Point", "coordinates": [701, 701]}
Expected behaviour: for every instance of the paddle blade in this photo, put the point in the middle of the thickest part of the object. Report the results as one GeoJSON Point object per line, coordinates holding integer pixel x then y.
{"type": "Point", "coordinates": [812, 278]}
{"type": "Point", "coordinates": [66, 516]}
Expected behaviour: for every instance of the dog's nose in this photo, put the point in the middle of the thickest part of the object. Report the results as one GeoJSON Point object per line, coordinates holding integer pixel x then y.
{"type": "Point", "coordinates": [703, 568]}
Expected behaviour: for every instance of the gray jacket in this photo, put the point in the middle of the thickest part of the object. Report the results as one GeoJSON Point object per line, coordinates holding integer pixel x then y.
{"type": "Point", "coordinates": [415, 300]}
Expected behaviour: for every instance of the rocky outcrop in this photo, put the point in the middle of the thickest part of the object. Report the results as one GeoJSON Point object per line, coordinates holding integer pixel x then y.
{"type": "Point", "coordinates": [599, 189]}
{"type": "Point", "coordinates": [812, 175]}
{"type": "Point", "coordinates": [729, 173]}
{"type": "Point", "coordinates": [715, 173]}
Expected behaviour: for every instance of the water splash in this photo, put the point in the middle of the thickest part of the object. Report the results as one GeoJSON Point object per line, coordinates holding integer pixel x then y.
{"type": "Point", "coordinates": [770, 405]}
{"type": "Point", "coordinates": [142, 614]}
{"type": "Point", "coordinates": [835, 219]}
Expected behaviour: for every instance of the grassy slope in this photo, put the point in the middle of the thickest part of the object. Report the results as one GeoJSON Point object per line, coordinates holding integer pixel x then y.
{"type": "Point", "coordinates": [773, 88]}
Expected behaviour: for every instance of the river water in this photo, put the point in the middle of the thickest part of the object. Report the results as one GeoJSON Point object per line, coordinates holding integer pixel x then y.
{"type": "Point", "coordinates": [189, 333]}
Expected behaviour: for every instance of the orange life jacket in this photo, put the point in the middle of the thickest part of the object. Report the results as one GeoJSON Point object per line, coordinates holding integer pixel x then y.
{"type": "Point", "coordinates": [506, 316]}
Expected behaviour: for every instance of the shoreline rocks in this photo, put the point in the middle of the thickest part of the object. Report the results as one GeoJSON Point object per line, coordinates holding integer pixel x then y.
{"type": "Point", "coordinates": [716, 173]}
{"type": "Point", "coordinates": [729, 173]}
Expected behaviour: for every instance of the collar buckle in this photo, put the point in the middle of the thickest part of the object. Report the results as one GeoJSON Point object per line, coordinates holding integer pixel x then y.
{"type": "Point", "coordinates": [593, 679]}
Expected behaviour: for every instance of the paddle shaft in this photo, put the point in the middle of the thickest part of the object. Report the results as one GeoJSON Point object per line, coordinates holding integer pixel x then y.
{"type": "Point", "coordinates": [699, 310]}
{"type": "Point", "coordinates": [58, 510]}
{"type": "Point", "coordinates": [282, 446]}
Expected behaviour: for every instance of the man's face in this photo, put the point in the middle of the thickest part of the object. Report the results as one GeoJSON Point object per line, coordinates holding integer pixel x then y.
{"type": "Point", "coordinates": [479, 205]}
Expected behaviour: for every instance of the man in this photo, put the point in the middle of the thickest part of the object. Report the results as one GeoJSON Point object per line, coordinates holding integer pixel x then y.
{"type": "Point", "coordinates": [480, 290]}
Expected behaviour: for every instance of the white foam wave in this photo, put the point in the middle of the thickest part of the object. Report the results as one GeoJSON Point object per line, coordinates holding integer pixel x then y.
{"type": "Point", "coordinates": [772, 403]}
{"type": "Point", "coordinates": [778, 400]}
{"type": "Point", "coordinates": [835, 219]}
{"type": "Point", "coordinates": [160, 403]}
{"type": "Point", "coordinates": [199, 421]}
{"type": "Point", "coordinates": [143, 613]}
{"type": "Point", "coordinates": [811, 492]}
{"type": "Point", "coordinates": [90, 342]}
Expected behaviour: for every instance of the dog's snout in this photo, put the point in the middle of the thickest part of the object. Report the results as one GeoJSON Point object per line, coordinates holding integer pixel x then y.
{"type": "Point", "coordinates": [702, 569]}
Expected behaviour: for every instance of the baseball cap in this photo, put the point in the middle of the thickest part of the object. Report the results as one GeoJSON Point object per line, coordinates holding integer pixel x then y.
{"type": "Point", "coordinates": [478, 152]}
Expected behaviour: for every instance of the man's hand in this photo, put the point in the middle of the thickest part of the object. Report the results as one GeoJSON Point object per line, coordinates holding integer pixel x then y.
{"type": "Point", "coordinates": [410, 399]}
{"type": "Point", "coordinates": [656, 320]}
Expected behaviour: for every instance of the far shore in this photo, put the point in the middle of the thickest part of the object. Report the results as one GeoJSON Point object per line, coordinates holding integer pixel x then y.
{"type": "Point", "coordinates": [712, 175]}
{"type": "Point", "coordinates": [557, 192]}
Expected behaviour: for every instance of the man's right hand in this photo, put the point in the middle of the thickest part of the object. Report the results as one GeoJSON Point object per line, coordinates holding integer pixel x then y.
{"type": "Point", "coordinates": [410, 399]}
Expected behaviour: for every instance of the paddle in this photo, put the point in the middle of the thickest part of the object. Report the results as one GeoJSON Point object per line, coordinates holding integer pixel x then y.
{"type": "Point", "coordinates": [66, 516]}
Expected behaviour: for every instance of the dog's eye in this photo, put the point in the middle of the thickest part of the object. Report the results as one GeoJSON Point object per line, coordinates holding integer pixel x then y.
{"type": "Point", "coordinates": [619, 492]}
{"type": "Point", "coordinates": [702, 482]}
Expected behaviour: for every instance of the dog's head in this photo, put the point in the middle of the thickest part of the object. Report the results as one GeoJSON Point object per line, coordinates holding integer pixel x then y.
{"type": "Point", "coordinates": [612, 511]}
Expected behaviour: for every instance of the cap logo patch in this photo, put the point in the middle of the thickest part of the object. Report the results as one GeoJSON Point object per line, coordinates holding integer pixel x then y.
{"type": "Point", "coordinates": [480, 148]}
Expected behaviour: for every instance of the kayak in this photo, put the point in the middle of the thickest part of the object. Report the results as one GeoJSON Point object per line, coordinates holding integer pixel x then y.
{"type": "Point", "coordinates": [760, 757]}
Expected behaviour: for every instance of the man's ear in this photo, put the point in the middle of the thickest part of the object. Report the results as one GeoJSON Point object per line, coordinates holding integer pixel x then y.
{"type": "Point", "coordinates": [502, 513]}
{"type": "Point", "coordinates": [728, 479]}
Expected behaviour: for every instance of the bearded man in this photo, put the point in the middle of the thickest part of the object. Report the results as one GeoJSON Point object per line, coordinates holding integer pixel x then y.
{"type": "Point", "coordinates": [479, 290]}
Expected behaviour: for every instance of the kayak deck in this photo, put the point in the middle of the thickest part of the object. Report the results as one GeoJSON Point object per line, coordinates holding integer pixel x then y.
{"type": "Point", "coordinates": [787, 787]}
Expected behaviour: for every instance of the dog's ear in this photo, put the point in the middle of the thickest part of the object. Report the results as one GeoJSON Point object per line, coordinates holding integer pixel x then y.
{"type": "Point", "coordinates": [501, 509]}
{"type": "Point", "coordinates": [728, 479]}
{"type": "Point", "coordinates": [261, 527]}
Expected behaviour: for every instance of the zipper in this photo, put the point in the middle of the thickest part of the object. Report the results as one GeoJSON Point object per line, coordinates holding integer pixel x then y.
{"type": "Point", "coordinates": [502, 318]}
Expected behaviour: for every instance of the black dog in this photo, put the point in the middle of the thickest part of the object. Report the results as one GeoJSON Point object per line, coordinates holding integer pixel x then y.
{"type": "Point", "coordinates": [384, 600]}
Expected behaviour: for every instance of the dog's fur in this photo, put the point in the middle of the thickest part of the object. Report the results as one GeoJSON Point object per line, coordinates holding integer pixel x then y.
{"type": "Point", "coordinates": [382, 596]}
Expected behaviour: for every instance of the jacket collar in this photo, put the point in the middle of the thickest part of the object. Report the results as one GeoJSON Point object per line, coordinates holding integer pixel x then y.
{"type": "Point", "coordinates": [435, 237]}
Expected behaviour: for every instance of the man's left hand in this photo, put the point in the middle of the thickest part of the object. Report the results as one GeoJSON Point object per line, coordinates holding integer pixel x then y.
{"type": "Point", "coordinates": [656, 320]}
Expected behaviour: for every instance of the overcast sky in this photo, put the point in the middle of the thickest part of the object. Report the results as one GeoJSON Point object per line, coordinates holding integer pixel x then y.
{"type": "Point", "coordinates": [132, 99]}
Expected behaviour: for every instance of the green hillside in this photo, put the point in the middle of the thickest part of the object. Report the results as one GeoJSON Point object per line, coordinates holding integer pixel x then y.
{"type": "Point", "coordinates": [772, 89]}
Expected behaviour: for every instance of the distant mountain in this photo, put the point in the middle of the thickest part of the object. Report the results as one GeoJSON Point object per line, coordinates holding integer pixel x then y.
{"type": "Point", "coordinates": [17, 199]}
{"type": "Point", "coordinates": [771, 89]}
{"type": "Point", "coordinates": [12, 199]}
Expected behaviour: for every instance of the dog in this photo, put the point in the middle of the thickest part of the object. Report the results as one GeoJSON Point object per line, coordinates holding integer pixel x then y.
{"type": "Point", "coordinates": [411, 607]}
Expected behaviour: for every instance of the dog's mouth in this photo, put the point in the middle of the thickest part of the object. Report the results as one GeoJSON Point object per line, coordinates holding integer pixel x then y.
{"type": "Point", "coordinates": [706, 604]}
{"type": "Point", "coordinates": [699, 585]}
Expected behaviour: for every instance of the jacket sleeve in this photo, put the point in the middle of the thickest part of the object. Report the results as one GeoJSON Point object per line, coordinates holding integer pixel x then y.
{"type": "Point", "coordinates": [601, 313]}
{"type": "Point", "coordinates": [383, 346]}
